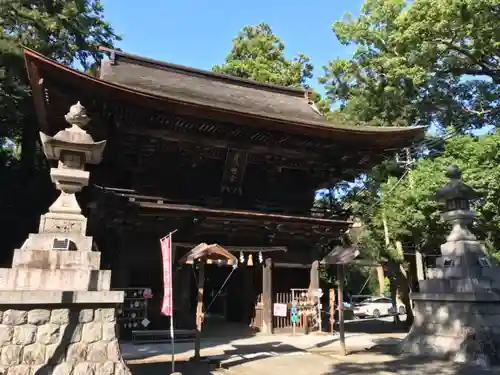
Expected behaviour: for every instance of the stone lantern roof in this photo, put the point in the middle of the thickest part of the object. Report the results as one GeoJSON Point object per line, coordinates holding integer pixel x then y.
{"type": "Point", "coordinates": [456, 188]}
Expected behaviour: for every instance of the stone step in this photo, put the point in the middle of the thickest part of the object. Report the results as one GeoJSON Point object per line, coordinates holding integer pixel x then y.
{"type": "Point", "coordinates": [45, 241]}
{"type": "Point", "coordinates": [50, 260]}
{"type": "Point", "coordinates": [62, 280]}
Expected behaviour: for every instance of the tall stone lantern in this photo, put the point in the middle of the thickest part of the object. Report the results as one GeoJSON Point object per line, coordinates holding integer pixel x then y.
{"type": "Point", "coordinates": [457, 311]}
{"type": "Point", "coordinates": [57, 312]}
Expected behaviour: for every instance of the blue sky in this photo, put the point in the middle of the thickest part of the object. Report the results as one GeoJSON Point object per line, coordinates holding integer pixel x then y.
{"type": "Point", "coordinates": [198, 33]}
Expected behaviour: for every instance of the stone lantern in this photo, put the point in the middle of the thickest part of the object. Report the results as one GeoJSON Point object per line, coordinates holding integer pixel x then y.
{"type": "Point", "coordinates": [72, 147]}
{"type": "Point", "coordinates": [457, 311]}
{"type": "Point", "coordinates": [57, 311]}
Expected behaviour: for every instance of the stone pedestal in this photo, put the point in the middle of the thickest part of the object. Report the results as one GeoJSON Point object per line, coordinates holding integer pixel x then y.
{"type": "Point", "coordinates": [59, 339]}
{"type": "Point", "coordinates": [457, 318]}
{"type": "Point", "coordinates": [457, 312]}
{"type": "Point", "coordinates": [57, 313]}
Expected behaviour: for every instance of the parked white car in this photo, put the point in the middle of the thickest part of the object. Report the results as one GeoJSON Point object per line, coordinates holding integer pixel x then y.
{"type": "Point", "coordinates": [377, 307]}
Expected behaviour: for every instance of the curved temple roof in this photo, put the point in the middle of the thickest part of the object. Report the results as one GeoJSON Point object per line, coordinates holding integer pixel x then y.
{"type": "Point", "coordinates": [135, 78]}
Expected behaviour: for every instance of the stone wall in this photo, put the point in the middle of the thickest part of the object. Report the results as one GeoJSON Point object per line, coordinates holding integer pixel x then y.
{"type": "Point", "coordinates": [59, 340]}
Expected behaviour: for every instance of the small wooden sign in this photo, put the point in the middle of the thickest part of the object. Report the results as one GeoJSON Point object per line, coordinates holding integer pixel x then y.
{"type": "Point", "coordinates": [279, 309]}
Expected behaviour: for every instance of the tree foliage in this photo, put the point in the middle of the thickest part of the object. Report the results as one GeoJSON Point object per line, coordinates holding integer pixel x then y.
{"type": "Point", "coordinates": [419, 63]}
{"type": "Point", "coordinates": [258, 54]}
{"type": "Point", "coordinates": [429, 63]}
{"type": "Point", "coordinates": [68, 31]}
{"type": "Point", "coordinates": [410, 68]}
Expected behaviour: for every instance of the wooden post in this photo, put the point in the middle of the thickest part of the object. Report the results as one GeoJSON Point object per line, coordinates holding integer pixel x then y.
{"type": "Point", "coordinates": [305, 322]}
{"type": "Point", "coordinates": [199, 310]}
{"type": "Point", "coordinates": [267, 297]}
{"type": "Point", "coordinates": [420, 266]}
{"type": "Point", "coordinates": [381, 280]}
{"type": "Point", "coordinates": [340, 276]}
{"type": "Point", "coordinates": [248, 298]}
{"type": "Point", "coordinates": [332, 311]}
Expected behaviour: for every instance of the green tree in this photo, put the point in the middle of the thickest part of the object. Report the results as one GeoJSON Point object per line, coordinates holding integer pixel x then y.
{"type": "Point", "coordinates": [414, 62]}
{"type": "Point", "coordinates": [409, 203]}
{"type": "Point", "coordinates": [67, 31]}
{"type": "Point", "coordinates": [403, 207]}
{"type": "Point", "coordinates": [418, 62]}
{"type": "Point", "coordinates": [258, 54]}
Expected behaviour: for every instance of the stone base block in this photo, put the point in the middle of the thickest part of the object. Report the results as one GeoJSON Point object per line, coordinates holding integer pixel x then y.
{"type": "Point", "coordinates": [42, 279]}
{"type": "Point", "coordinates": [50, 260]}
{"type": "Point", "coordinates": [45, 241]}
{"type": "Point", "coordinates": [75, 224]}
{"type": "Point", "coordinates": [460, 330]}
{"type": "Point", "coordinates": [62, 340]}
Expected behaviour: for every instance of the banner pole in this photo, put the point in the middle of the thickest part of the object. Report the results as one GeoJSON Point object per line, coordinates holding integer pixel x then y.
{"type": "Point", "coordinates": [172, 305]}
{"type": "Point", "coordinates": [167, 308]}
{"type": "Point", "coordinates": [169, 234]}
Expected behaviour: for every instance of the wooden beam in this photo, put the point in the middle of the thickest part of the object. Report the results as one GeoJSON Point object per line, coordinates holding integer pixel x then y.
{"type": "Point", "coordinates": [246, 249]}
{"type": "Point", "coordinates": [241, 213]}
{"type": "Point", "coordinates": [38, 95]}
{"type": "Point", "coordinates": [329, 163]}
{"type": "Point", "coordinates": [291, 265]}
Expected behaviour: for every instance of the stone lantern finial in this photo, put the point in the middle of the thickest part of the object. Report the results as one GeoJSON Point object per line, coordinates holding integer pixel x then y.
{"type": "Point", "coordinates": [456, 196]}
{"type": "Point", "coordinates": [77, 116]}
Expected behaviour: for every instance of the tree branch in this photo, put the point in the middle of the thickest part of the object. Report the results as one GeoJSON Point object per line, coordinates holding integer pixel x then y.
{"type": "Point", "coordinates": [485, 68]}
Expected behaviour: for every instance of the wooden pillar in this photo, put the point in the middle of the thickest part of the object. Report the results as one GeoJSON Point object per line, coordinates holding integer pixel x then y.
{"type": "Point", "coordinates": [313, 278]}
{"type": "Point", "coordinates": [199, 310]}
{"type": "Point", "coordinates": [419, 263]}
{"type": "Point", "coordinates": [340, 276]}
{"type": "Point", "coordinates": [332, 310]}
{"type": "Point", "coordinates": [267, 297]}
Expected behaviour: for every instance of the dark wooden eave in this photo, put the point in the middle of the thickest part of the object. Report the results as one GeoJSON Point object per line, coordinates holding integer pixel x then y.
{"type": "Point", "coordinates": [41, 68]}
{"type": "Point", "coordinates": [159, 205]}
{"type": "Point", "coordinates": [227, 226]}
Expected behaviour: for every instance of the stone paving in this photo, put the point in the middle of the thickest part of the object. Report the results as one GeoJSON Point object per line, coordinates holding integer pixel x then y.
{"type": "Point", "coordinates": [262, 343]}
{"type": "Point", "coordinates": [304, 355]}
